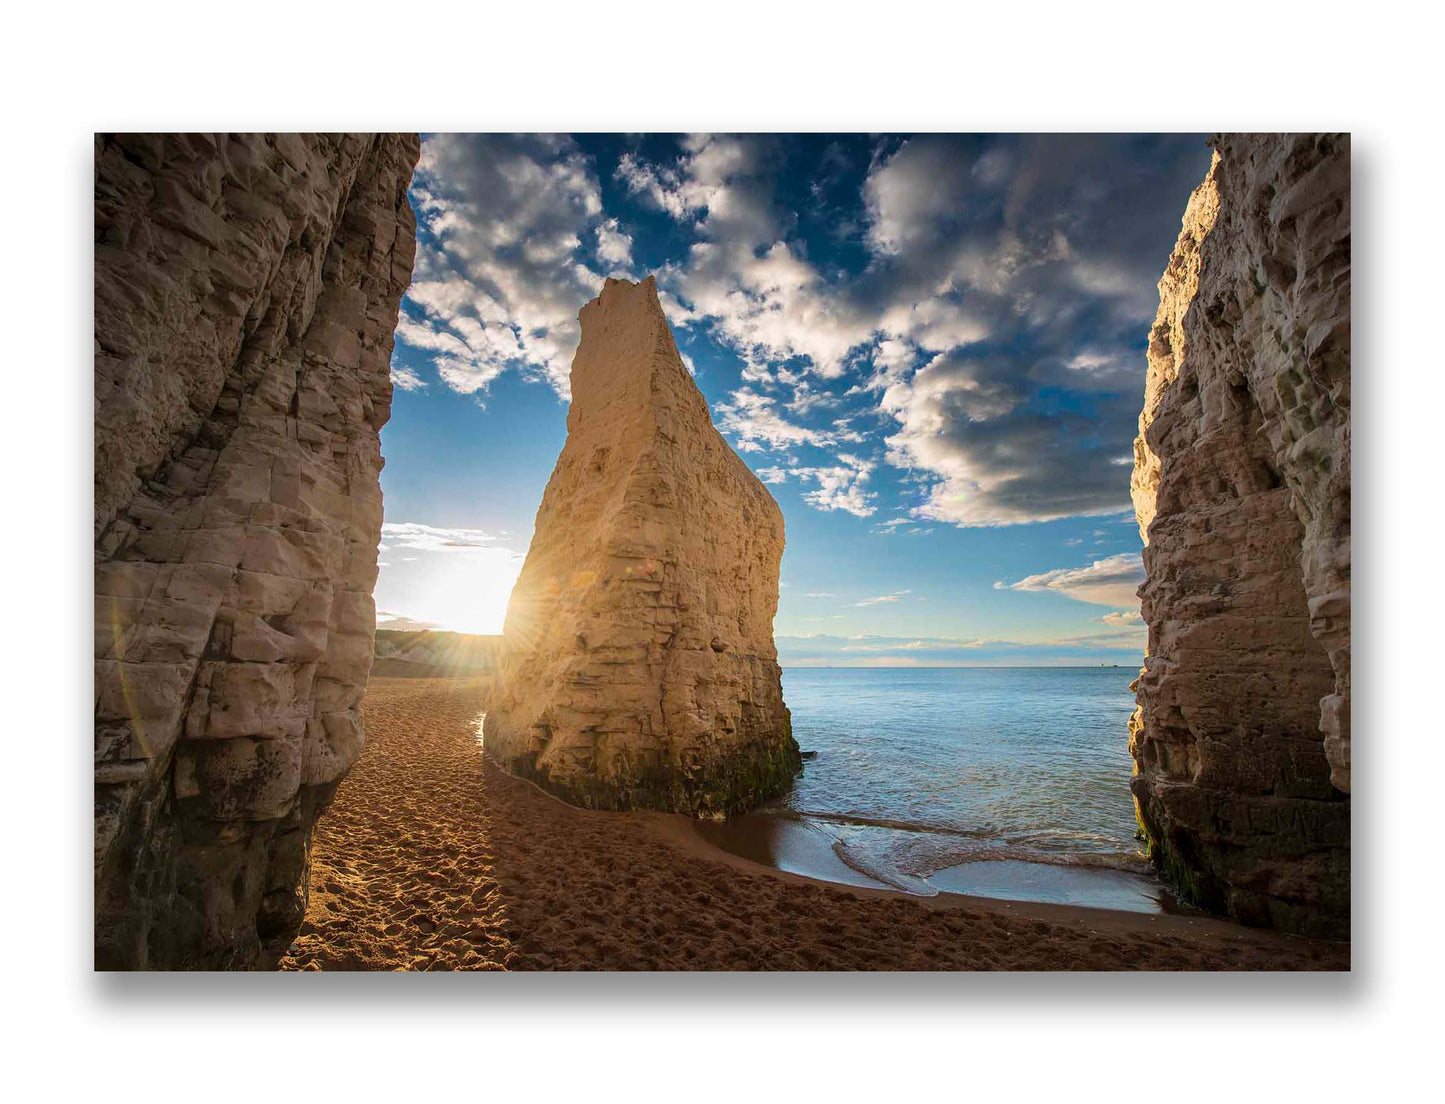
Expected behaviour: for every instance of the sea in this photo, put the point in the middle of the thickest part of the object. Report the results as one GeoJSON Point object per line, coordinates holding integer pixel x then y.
{"type": "Point", "coordinates": [999, 782]}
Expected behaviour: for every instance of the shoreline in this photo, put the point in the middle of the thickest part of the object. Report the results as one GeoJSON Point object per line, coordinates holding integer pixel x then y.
{"type": "Point", "coordinates": [817, 846]}
{"type": "Point", "coordinates": [682, 833]}
{"type": "Point", "coordinates": [431, 857]}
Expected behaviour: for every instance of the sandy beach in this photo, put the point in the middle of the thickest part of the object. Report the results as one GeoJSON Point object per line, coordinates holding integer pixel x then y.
{"type": "Point", "coordinates": [433, 859]}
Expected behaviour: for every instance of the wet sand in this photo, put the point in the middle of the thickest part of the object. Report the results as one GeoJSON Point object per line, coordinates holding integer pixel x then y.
{"type": "Point", "coordinates": [809, 845]}
{"type": "Point", "coordinates": [432, 858]}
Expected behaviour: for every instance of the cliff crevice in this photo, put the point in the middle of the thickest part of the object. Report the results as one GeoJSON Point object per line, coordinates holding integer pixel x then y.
{"type": "Point", "coordinates": [247, 289]}
{"type": "Point", "coordinates": [1242, 489]}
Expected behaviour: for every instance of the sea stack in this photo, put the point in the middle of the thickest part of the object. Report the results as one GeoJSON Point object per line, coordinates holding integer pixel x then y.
{"type": "Point", "coordinates": [1242, 490]}
{"type": "Point", "coordinates": [246, 292]}
{"type": "Point", "coordinates": [638, 666]}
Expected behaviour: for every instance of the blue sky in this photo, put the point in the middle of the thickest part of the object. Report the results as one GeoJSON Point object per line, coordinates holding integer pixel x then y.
{"type": "Point", "coordinates": [930, 347]}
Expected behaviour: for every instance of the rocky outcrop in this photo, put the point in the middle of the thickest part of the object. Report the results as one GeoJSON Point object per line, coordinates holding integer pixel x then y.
{"type": "Point", "coordinates": [246, 290]}
{"type": "Point", "coordinates": [1242, 489]}
{"type": "Point", "coordinates": [638, 666]}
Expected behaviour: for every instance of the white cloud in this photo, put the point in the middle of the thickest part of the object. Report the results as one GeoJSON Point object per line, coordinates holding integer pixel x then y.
{"type": "Point", "coordinates": [664, 186]}
{"type": "Point", "coordinates": [753, 419]}
{"type": "Point", "coordinates": [500, 273]}
{"type": "Point", "coordinates": [935, 324]}
{"type": "Point", "coordinates": [897, 595]}
{"type": "Point", "coordinates": [1123, 617]}
{"type": "Point", "coordinates": [911, 194]}
{"type": "Point", "coordinates": [406, 379]}
{"type": "Point", "coordinates": [1023, 242]}
{"type": "Point", "coordinates": [892, 359]}
{"type": "Point", "coordinates": [432, 538]}
{"type": "Point", "coordinates": [613, 246]}
{"type": "Point", "coordinates": [742, 276]}
{"type": "Point", "coordinates": [1014, 242]}
{"type": "Point", "coordinates": [906, 525]}
{"type": "Point", "coordinates": [805, 398]}
{"type": "Point", "coordinates": [841, 487]}
{"type": "Point", "coordinates": [1108, 582]}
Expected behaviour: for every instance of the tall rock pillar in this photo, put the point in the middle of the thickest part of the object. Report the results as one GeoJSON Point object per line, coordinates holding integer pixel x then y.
{"type": "Point", "coordinates": [638, 666]}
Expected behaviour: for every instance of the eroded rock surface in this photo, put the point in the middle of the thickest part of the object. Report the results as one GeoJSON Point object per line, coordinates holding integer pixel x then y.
{"type": "Point", "coordinates": [246, 290]}
{"type": "Point", "coordinates": [638, 665]}
{"type": "Point", "coordinates": [1242, 489]}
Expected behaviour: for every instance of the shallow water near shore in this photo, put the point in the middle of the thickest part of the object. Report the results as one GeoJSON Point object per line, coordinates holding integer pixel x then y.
{"type": "Point", "coordinates": [1009, 783]}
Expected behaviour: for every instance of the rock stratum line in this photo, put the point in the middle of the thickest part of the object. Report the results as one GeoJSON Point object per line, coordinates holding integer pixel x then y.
{"type": "Point", "coordinates": [246, 293]}
{"type": "Point", "coordinates": [1242, 489]}
{"type": "Point", "coordinates": [638, 667]}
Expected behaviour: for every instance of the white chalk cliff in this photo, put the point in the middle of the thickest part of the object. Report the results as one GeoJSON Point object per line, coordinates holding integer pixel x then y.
{"type": "Point", "coordinates": [638, 666]}
{"type": "Point", "coordinates": [1242, 490]}
{"type": "Point", "coordinates": [246, 292]}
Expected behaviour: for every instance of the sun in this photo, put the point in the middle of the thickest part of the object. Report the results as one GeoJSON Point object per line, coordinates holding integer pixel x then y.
{"type": "Point", "coordinates": [463, 592]}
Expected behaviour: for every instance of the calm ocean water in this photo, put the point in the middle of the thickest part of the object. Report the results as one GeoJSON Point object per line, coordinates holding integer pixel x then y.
{"type": "Point", "coordinates": [1007, 782]}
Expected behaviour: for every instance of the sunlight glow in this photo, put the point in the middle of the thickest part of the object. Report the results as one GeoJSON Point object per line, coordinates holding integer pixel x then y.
{"type": "Point", "coordinates": [456, 592]}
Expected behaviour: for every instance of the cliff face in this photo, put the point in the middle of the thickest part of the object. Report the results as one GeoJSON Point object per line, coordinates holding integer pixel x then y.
{"type": "Point", "coordinates": [246, 290]}
{"type": "Point", "coordinates": [1242, 489]}
{"type": "Point", "coordinates": [638, 666]}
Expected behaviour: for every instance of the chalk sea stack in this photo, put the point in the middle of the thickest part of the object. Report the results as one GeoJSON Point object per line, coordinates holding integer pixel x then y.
{"type": "Point", "coordinates": [1242, 490]}
{"type": "Point", "coordinates": [246, 292]}
{"type": "Point", "coordinates": [638, 666]}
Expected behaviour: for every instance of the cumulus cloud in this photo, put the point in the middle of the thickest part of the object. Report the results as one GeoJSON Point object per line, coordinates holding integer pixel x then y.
{"type": "Point", "coordinates": [1108, 582]}
{"type": "Point", "coordinates": [405, 379]}
{"type": "Point", "coordinates": [892, 360]}
{"type": "Point", "coordinates": [753, 419]}
{"type": "Point", "coordinates": [613, 246]}
{"type": "Point", "coordinates": [503, 262]}
{"type": "Point", "coordinates": [997, 453]}
{"type": "Point", "coordinates": [756, 289]}
{"type": "Point", "coordinates": [1041, 219]}
{"type": "Point", "coordinates": [1020, 272]}
{"type": "Point", "coordinates": [1120, 618]}
{"type": "Point", "coordinates": [1032, 265]}
{"type": "Point", "coordinates": [841, 486]}
{"type": "Point", "coordinates": [989, 311]}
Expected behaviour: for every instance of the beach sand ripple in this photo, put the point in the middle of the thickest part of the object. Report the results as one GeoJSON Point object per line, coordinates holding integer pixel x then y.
{"type": "Point", "coordinates": [432, 859]}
